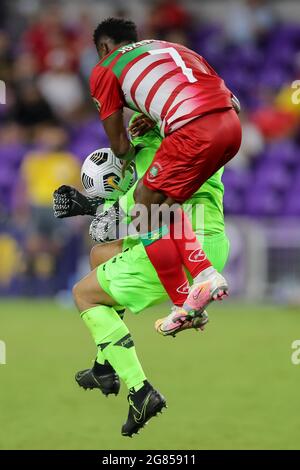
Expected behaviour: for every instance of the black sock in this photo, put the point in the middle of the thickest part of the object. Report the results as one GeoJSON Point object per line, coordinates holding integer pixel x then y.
{"type": "Point", "coordinates": [102, 369]}
{"type": "Point", "coordinates": [121, 312]}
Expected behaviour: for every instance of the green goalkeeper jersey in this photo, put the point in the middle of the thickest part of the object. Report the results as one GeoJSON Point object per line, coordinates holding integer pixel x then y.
{"type": "Point", "coordinates": [205, 207]}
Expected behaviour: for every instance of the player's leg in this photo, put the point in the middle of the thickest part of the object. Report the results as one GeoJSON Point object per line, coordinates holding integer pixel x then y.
{"type": "Point", "coordinates": [127, 275]}
{"type": "Point", "coordinates": [217, 249]}
{"type": "Point", "coordinates": [200, 140]}
{"type": "Point", "coordinates": [169, 254]}
{"type": "Point", "coordinates": [211, 285]}
{"type": "Point", "coordinates": [102, 375]}
{"type": "Point", "coordinates": [102, 253]}
{"type": "Point", "coordinates": [161, 247]}
{"type": "Point", "coordinates": [112, 336]}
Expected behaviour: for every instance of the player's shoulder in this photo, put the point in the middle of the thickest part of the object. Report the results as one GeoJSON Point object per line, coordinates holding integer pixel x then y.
{"type": "Point", "coordinates": [98, 74]}
{"type": "Point", "coordinates": [178, 46]}
{"type": "Point", "coordinates": [98, 71]}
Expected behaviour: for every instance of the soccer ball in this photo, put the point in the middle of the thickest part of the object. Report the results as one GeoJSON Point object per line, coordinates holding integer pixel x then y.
{"type": "Point", "coordinates": [101, 175]}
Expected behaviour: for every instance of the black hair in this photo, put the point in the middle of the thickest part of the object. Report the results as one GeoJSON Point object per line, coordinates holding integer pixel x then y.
{"type": "Point", "coordinates": [117, 29]}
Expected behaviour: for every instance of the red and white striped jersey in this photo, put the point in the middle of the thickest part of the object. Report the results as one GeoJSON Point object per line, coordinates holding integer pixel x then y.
{"type": "Point", "coordinates": [168, 82]}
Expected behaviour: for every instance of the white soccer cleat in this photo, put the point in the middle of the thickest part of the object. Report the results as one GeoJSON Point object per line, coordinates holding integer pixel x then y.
{"type": "Point", "coordinates": [180, 320]}
{"type": "Point", "coordinates": [202, 293]}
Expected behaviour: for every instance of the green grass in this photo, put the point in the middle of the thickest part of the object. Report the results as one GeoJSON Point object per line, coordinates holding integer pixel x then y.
{"type": "Point", "coordinates": [231, 387]}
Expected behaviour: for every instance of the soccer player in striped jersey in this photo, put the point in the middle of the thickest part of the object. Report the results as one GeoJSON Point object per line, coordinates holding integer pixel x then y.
{"type": "Point", "coordinates": [183, 95]}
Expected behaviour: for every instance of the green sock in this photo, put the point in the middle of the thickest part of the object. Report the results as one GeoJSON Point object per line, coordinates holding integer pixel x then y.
{"type": "Point", "coordinates": [100, 358]}
{"type": "Point", "coordinates": [120, 311]}
{"type": "Point", "coordinates": [112, 337]}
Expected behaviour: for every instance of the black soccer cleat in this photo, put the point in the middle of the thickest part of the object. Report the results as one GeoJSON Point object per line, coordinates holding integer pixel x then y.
{"type": "Point", "coordinates": [143, 405]}
{"type": "Point", "coordinates": [107, 383]}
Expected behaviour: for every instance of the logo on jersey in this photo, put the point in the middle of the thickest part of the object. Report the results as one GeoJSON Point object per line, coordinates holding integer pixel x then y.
{"type": "Point", "coordinates": [197, 256]}
{"type": "Point", "coordinates": [97, 104]}
{"type": "Point", "coordinates": [153, 172]}
{"type": "Point", "coordinates": [184, 288]}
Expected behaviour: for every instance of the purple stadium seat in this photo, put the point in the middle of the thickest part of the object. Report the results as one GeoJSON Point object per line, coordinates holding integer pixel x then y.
{"type": "Point", "coordinates": [291, 205]}
{"type": "Point", "coordinates": [7, 177]}
{"type": "Point", "coordinates": [261, 201]}
{"type": "Point", "coordinates": [234, 201]}
{"type": "Point", "coordinates": [249, 56]}
{"type": "Point", "coordinates": [82, 147]}
{"type": "Point", "coordinates": [284, 151]}
{"type": "Point", "coordinates": [12, 155]}
{"type": "Point", "coordinates": [273, 77]}
{"type": "Point", "coordinates": [236, 179]}
{"type": "Point", "coordinates": [272, 176]}
{"type": "Point", "coordinates": [288, 33]}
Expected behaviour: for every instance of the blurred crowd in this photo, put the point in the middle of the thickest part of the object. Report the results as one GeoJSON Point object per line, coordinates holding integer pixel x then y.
{"type": "Point", "coordinates": [48, 124]}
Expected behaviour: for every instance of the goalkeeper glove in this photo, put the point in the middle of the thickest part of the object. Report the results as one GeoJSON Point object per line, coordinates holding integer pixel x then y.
{"type": "Point", "coordinates": [105, 226]}
{"type": "Point", "coordinates": [68, 202]}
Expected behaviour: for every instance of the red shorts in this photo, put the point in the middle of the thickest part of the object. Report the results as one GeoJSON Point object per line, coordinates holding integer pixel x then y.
{"type": "Point", "coordinates": [193, 153]}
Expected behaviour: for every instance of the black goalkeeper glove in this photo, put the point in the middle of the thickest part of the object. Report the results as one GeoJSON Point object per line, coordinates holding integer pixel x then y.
{"type": "Point", "coordinates": [68, 202]}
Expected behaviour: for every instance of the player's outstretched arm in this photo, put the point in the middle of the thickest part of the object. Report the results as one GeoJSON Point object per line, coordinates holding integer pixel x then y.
{"type": "Point", "coordinates": [68, 202]}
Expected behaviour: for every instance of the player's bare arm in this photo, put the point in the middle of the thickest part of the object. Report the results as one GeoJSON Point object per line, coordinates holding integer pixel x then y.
{"type": "Point", "coordinates": [116, 132]}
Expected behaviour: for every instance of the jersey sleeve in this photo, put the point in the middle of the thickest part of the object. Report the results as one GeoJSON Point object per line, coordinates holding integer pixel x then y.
{"type": "Point", "coordinates": [106, 91]}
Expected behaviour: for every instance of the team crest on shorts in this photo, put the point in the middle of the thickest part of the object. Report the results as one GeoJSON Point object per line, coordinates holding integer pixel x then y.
{"type": "Point", "coordinates": [153, 172]}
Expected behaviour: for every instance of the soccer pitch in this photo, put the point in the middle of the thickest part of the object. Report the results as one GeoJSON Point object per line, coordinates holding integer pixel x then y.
{"type": "Point", "coordinates": [232, 387]}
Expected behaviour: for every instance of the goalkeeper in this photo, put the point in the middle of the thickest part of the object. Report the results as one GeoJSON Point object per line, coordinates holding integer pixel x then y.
{"type": "Point", "coordinates": [123, 276]}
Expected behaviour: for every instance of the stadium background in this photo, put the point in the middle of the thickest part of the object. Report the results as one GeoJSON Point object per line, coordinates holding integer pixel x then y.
{"type": "Point", "coordinates": [235, 385]}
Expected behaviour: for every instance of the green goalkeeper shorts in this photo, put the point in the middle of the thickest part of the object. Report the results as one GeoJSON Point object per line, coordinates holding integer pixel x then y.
{"type": "Point", "coordinates": [131, 280]}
